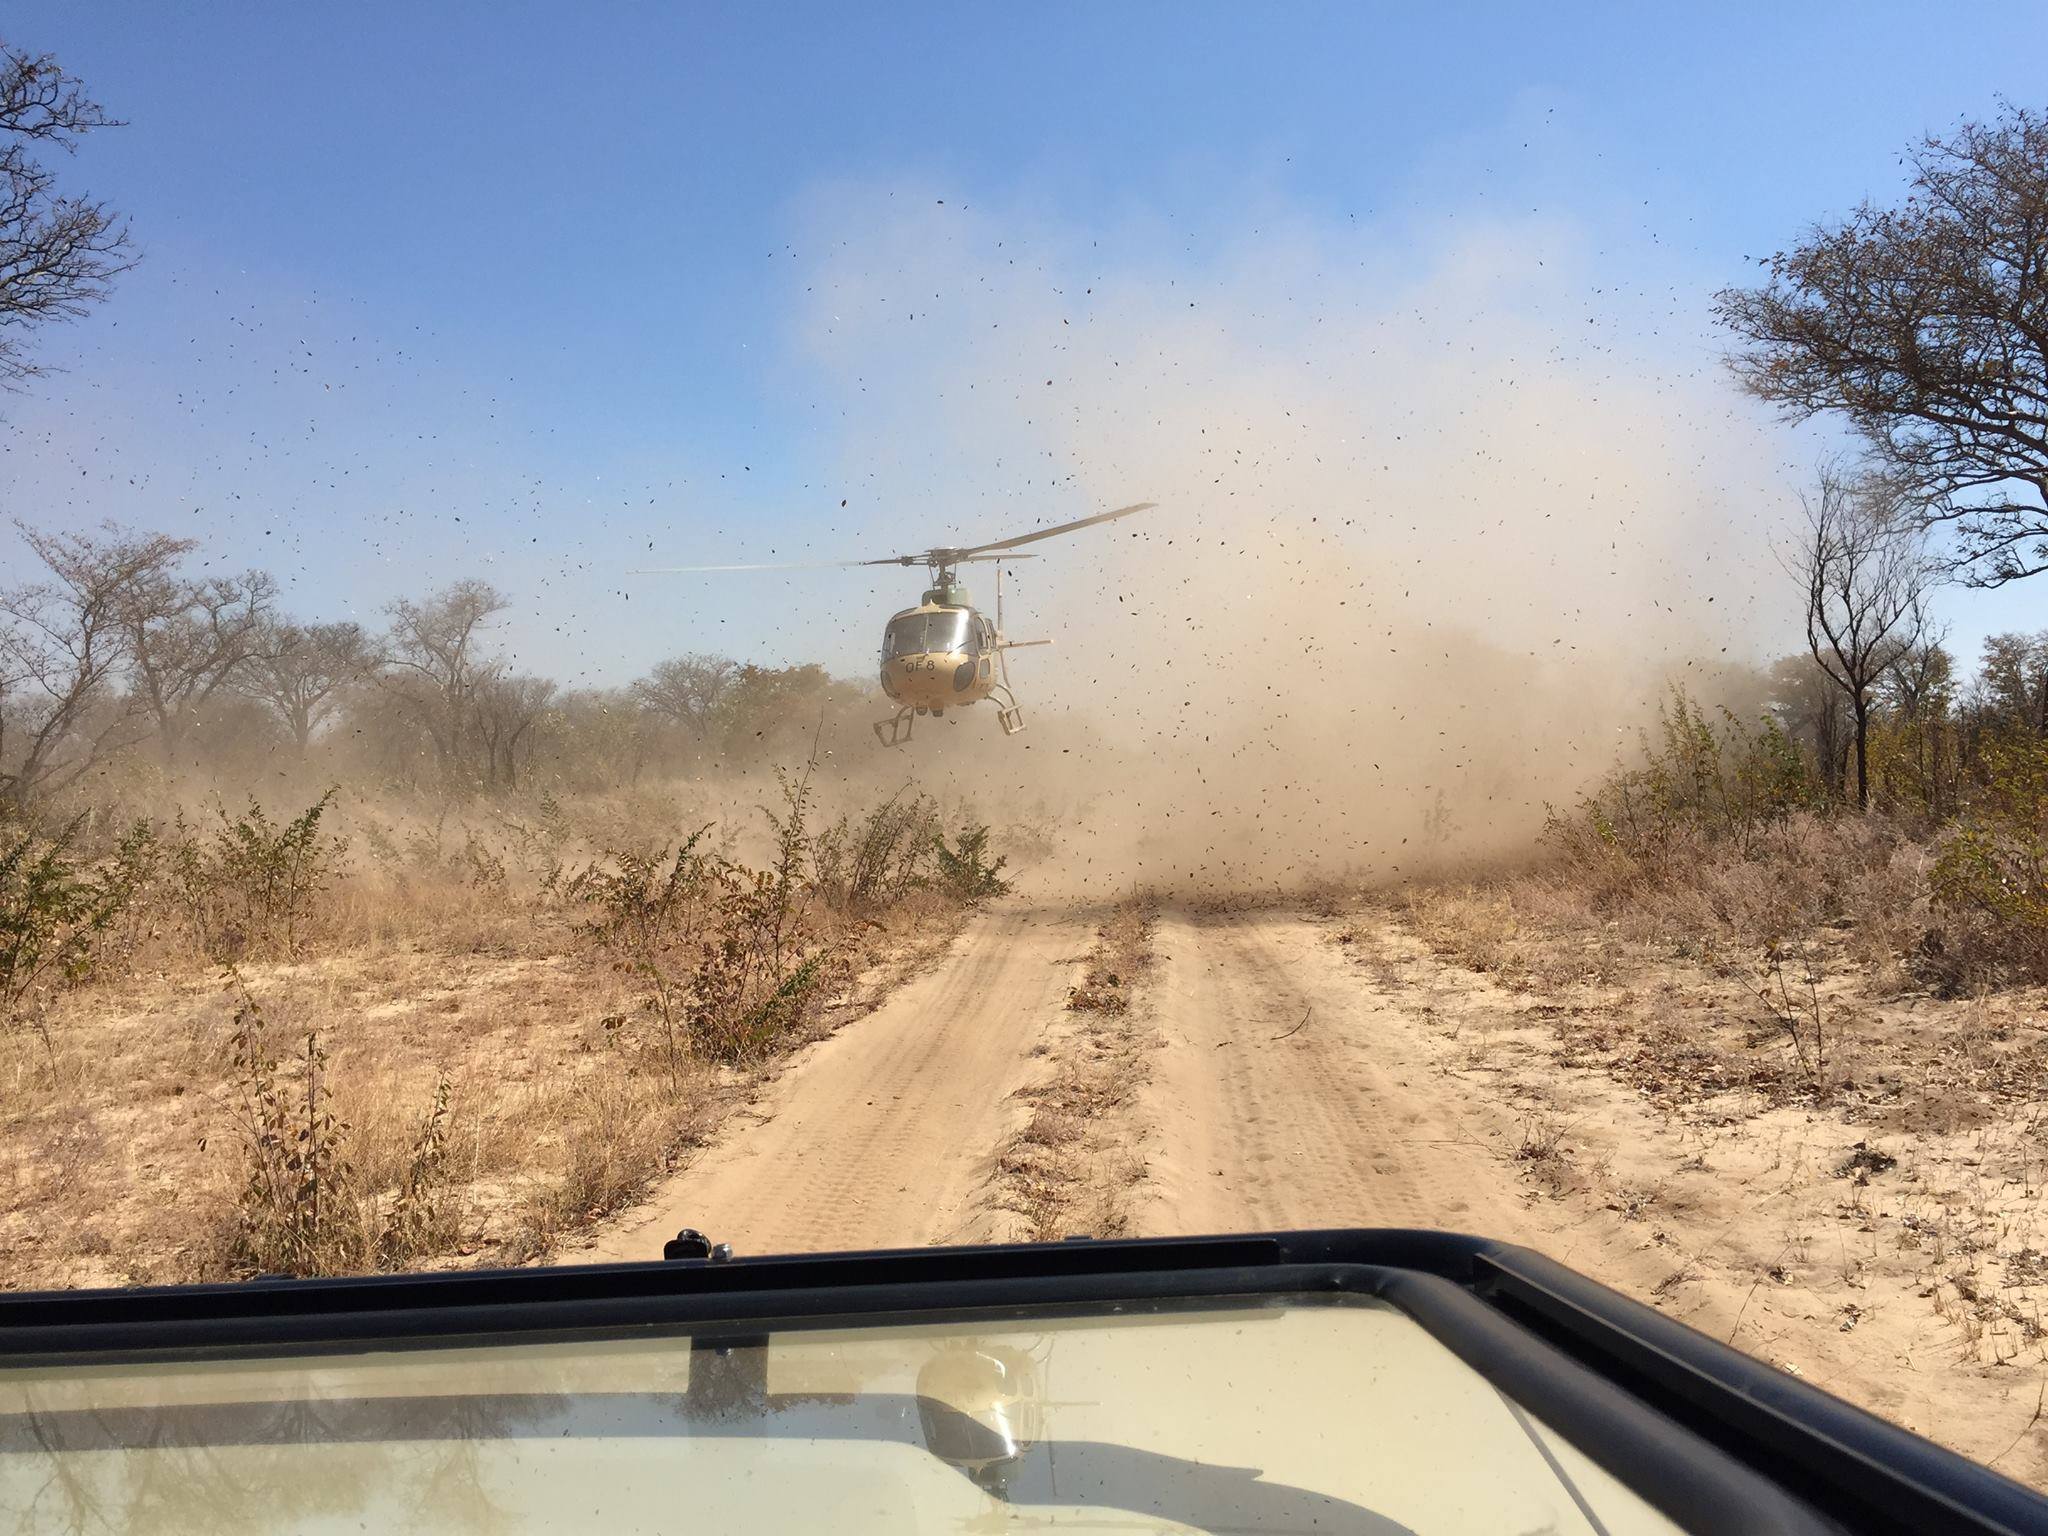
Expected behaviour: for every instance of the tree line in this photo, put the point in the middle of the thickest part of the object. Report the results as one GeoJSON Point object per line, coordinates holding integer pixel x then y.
{"type": "Point", "coordinates": [1933, 735]}
{"type": "Point", "coordinates": [117, 651]}
{"type": "Point", "coordinates": [1922, 327]}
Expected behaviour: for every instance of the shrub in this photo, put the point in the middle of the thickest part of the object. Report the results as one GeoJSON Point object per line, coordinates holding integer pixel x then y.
{"type": "Point", "coordinates": [55, 914]}
{"type": "Point", "coordinates": [253, 882]}
{"type": "Point", "coordinates": [863, 866]}
{"type": "Point", "coordinates": [417, 1223]}
{"type": "Point", "coordinates": [649, 910]}
{"type": "Point", "coordinates": [303, 1208]}
{"type": "Point", "coordinates": [1990, 878]}
{"type": "Point", "coordinates": [641, 900]}
{"type": "Point", "coordinates": [1700, 780]}
{"type": "Point", "coordinates": [964, 868]}
{"type": "Point", "coordinates": [298, 1212]}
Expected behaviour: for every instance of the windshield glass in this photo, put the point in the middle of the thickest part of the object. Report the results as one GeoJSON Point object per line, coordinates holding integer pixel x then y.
{"type": "Point", "coordinates": [947, 630]}
{"type": "Point", "coordinates": [1344, 1418]}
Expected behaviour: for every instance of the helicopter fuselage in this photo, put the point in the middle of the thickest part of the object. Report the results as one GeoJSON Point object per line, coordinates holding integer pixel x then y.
{"type": "Point", "coordinates": [937, 656]}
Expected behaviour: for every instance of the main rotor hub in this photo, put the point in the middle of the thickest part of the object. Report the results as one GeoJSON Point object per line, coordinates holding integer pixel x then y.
{"type": "Point", "coordinates": [947, 592]}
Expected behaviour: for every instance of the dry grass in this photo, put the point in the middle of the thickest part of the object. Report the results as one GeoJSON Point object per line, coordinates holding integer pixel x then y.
{"type": "Point", "coordinates": [132, 1118]}
{"type": "Point", "coordinates": [1750, 1001]}
{"type": "Point", "coordinates": [1713, 988]}
{"type": "Point", "coordinates": [1067, 1172]}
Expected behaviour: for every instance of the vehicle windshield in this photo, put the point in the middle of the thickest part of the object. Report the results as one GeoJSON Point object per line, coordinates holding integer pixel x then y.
{"type": "Point", "coordinates": [1288, 1417]}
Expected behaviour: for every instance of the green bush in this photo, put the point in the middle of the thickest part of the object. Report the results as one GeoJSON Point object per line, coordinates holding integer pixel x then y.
{"type": "Point", "coordinates": [965, 869]}
{"type": "Point", "coordinates": [1700, 779]}
{"type": "Point", "coordinates": [55, 913]}
{"type": "Point", "coordinates": [865, 865]}
{"type": "Point", "coordinates": [1991, 875]}
{"type": "Point", "coordinates": [252, 884]}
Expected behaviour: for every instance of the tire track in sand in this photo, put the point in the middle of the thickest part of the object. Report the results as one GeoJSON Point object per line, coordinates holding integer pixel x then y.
{"type": "Point", "coordinates": [1346, 1122]}
{"type": "Point", "coordinates": [885, 1134]}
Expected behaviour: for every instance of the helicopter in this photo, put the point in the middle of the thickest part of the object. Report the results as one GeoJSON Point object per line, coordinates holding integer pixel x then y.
{"type": "Point", "coordinates": [944, 653]}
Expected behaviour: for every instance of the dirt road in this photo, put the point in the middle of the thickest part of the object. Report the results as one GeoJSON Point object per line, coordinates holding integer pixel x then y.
{"type": "Point", "coordinates": [1286, 1094]}
{"type": "Point", "coordinates": [888, 1133]}
{"type": "Point", "coordinates": [1293, 1080]}
{"type": "Point", "coordinates": [884, 1134]}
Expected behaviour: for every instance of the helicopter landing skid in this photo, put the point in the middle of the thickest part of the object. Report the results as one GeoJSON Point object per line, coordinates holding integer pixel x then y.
{"type": "Point", "coordinates": [1010, 715]}
{"type": "Point", "coordinates": [895, 730]}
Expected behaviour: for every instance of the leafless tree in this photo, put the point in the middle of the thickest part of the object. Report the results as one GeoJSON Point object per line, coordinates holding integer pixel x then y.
{"type": "Point", "coordinates": [1863, 571]}
{"type": "Point", "coordinates": [299, 671]}
{"type": "Point", "coordinates": [1812, 712]}
{"type": "Point", "coordinates": [64, 648]}
{"type": "Point", "coordinates": [505, 711]}
{"type": "Point", "coordinates": [186, 640]}
{"type": "Point", "coordinates": [57, 254]}
{"type": "Point", "coordinates": [1926, 326]}
{"type": "Point", "coordinates": [688, 690]}
{"type": "Point", "coordinates": [437, 665]}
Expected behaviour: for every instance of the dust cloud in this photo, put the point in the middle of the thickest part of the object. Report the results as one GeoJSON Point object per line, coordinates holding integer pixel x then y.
{"type": "Point", "coordinates": [1442, 514]}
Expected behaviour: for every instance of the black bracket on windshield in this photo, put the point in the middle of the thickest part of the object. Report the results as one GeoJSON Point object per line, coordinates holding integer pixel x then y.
{"type": "Point", "coordinates": [690, 1244]}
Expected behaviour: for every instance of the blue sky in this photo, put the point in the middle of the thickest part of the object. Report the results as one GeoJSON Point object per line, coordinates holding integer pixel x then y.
{"type": "Point", "coordinates": [543, 292]}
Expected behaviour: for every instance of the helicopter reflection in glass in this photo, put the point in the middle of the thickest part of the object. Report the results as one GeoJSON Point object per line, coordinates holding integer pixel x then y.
{"type": "Point", "coordinates": [944, 653]}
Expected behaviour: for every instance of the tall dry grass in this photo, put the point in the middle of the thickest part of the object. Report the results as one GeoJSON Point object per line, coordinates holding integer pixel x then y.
{"type": "Point", "coordinates": [337, 1038]}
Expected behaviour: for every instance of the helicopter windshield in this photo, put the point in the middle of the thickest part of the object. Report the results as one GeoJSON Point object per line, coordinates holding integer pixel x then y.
{"type": "Point", "coordinates": [912, 634]}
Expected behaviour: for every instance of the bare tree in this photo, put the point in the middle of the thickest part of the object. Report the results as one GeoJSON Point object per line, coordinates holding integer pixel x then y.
{"type": "Point", "coordinates": [1812, 711]}
{"type": "Point", "coordinates": [57, 254]}
{"type": "Point", "coordinates": [1863, 572]}
{"type": "Point", "coordinates": [437, 665]}
{"type": "Point", "coordinates": [299, 672]}
{"type": "Point", "coordinates": [64, 647]}
{"type": "Point", "coordinates": [186, 640]}
{"type": "Point", "coordinates": [506, 709]}
{"type": "Point", "coordinates": [688, 690]}
{"type": "Point", "coordinates": [1926, 326]}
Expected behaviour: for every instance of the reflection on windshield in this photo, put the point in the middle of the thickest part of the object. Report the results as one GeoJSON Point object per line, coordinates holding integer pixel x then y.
{"type": "Point", "coordinates": [1332, 1418]}
{"type": "Point", "coordinates": [916, 633]}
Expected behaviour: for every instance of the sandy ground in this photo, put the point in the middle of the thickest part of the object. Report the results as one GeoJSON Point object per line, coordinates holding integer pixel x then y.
{"type": "Point", "coordinates": [1281, 1099]}
{"type": "Point", "coordinates": [886, 1133]}
{"type": "Point", "coordinates": [1302, 1078]}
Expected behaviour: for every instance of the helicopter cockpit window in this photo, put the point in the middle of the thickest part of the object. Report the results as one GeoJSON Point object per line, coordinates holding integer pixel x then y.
{"type": "Point", "coordinates": [947, 631]}
{"type": "Point", "coordinates": [916, 633]}
{"type": "Point", "coordinates": [905, 636]}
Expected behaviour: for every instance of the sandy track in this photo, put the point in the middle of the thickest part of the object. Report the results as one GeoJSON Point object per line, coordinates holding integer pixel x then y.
{"type": "Point", "coordinates": [886, 1132]}
{"type": "Point", "coordinates": [1344, 1122]}
{"type": "Point", "coordinates": [1380, 1110]}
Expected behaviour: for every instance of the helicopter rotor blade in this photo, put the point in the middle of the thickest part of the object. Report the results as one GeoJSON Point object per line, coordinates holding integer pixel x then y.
{"type": "Point", "coordinates": [998, 550]}
{"type": "Point", "coordinates": [776, 565]}
{"type": "Point", "coordinates": [1052, 533]}
{"type": "Point", "coordinates": [821, 565]}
